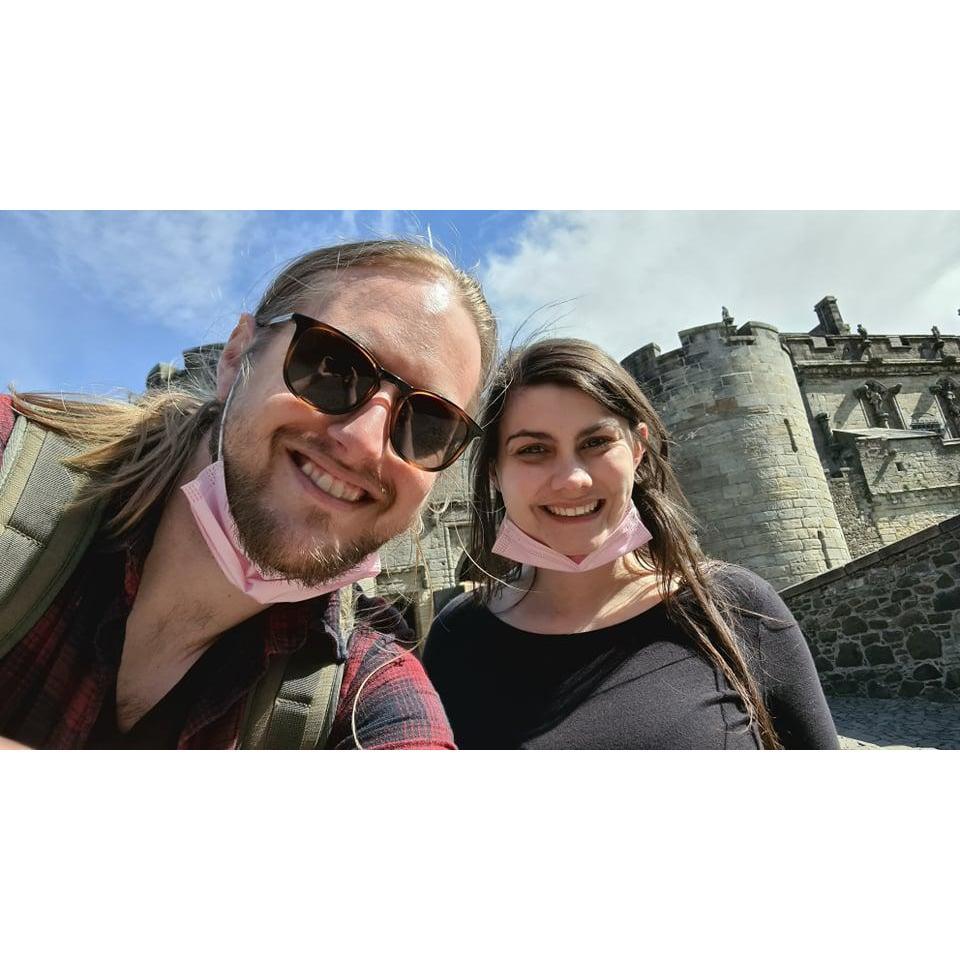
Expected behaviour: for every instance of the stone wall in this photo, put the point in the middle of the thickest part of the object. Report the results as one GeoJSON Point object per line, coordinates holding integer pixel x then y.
{"type": "Point", "coordinates": [888, 623]}
{"type": "Point", "coordinates": [854, 510]}
{"type": "Point", "coordinates": [831, 389]}
{"type": "Point", "coordinates": [902, 455]}
{"type": "Point", "coordinates": [899, 481]}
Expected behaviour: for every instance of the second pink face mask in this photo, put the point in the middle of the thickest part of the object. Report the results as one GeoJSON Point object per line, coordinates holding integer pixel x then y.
{"type": "Point", "coordinates": [629, 535]}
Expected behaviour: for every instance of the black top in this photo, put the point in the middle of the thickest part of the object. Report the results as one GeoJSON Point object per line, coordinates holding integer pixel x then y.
{"type": "Point", "coordinates": [159, 728]}
{"type": "Point", "coordinates": [640, 684]}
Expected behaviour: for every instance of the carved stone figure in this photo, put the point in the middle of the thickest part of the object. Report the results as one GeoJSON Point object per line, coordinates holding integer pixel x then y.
{"type": "Point", "coordinates": [948, 391]}
{"type": "Point", "coordinates": [876, 394]}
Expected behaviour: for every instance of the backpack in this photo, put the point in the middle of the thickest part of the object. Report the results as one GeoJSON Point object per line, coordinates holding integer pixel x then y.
{"type": "Point", "coordinates": [45, 531]}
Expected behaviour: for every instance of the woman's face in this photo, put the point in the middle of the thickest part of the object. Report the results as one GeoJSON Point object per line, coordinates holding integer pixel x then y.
{"type": "Point", "coordinates": [565, 467]}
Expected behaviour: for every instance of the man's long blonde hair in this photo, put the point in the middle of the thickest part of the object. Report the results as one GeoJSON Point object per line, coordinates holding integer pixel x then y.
{"type": "Point", "coordinates": [135, 450]}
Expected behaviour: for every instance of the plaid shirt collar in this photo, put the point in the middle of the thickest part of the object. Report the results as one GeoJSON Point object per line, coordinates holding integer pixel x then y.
{"type": "Point", "coordinates": [279, 630]}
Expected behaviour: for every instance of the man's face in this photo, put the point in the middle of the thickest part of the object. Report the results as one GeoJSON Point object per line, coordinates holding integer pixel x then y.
{"type": "Point", "coordinates": [313, 493]}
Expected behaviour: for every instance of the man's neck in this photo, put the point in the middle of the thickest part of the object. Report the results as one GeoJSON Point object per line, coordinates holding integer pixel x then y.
{"type": "Point", "coordinates": [181, 581]}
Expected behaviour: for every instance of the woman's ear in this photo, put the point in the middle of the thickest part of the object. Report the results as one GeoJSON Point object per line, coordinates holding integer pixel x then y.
{"type": "Point", "coordinates": [229, 364]}
{"type": "Point", "coordinates": [639, 444]}
{"type": "Point", "coordinates": [493, 477]}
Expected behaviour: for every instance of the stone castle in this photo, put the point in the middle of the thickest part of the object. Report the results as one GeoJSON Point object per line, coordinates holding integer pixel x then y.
{"type": "Point", "coordinates": [805, 457]}
{"type": "Point", "coordinates": [802, 451]}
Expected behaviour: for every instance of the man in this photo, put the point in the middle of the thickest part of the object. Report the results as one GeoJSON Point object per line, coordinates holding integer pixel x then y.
{"type": "Point", "coordinates": [228, 520]}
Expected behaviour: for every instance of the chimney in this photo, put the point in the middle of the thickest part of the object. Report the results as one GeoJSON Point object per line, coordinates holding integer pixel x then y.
{"type": "Point", "coordinates": [831, 323]}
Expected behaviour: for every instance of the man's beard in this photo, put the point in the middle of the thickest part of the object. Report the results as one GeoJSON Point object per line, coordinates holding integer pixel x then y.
{"type": "Point", "coordinates": [270, 542]}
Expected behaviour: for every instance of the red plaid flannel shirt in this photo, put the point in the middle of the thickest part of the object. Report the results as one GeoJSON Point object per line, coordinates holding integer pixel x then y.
{"type": "Point", "coordinates": [54, 682]}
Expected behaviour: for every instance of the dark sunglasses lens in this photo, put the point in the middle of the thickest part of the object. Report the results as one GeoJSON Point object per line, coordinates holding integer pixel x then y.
{"type": "Point", "coordinates": [330, 372]}
{"type": "Point", "coordinates": [429, 432]}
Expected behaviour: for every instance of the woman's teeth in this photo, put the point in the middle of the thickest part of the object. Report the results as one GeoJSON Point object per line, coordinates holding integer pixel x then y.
{"type": "Point", "coordinates": [574, 511]}
{"type": "Point", "coordinates": [336, 488]}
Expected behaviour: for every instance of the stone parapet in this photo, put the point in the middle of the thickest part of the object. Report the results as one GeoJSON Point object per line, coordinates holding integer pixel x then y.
{"type": "Point", "coordinates": [888, 623]}
{"type": "Point", "coordinates": [884, 349]}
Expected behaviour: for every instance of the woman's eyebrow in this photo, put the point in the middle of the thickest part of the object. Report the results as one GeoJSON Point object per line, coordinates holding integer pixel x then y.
{"type": "Point", "coordinates": [608, 423]}
{"type": "Point", "coordinates": [605, 424]}
{"type": "Point", "coordinates": [536, 434]}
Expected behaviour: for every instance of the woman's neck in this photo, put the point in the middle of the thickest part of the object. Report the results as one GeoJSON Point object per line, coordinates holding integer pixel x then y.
{"type": "Point", "coordinates": [549, 601]}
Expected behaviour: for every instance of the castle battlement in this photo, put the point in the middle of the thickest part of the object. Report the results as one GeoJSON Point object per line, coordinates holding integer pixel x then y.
{"type": "Point", "coordinates": [709, 345]}
{"type": "Point", "coordinates": [881, 348]}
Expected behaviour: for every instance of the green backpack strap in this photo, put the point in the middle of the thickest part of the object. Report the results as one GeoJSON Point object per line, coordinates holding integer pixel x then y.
{"type": "Point", "coordinates": [293, 706]}
{"type": "Point", "coordinates": [44, 532]}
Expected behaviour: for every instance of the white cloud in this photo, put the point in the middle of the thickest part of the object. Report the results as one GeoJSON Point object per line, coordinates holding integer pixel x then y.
{"type": "Point", "coordinates": [626, 279]}
{"type": "Point", "coordinates": [170, 268]}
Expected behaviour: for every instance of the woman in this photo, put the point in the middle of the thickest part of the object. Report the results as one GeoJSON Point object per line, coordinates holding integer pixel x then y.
{"type": "Point", "coordinates": [597, 621]}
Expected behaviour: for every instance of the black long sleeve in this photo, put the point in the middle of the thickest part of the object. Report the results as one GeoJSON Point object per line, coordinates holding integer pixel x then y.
{"type": "Point", "coordinates": [783, 666]}
{"type": "Point", "coordinates": [641, 684]}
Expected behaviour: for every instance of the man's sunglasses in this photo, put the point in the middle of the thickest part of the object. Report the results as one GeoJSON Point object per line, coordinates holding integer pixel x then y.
{"type": "Point", "coordinates": [336, 375]}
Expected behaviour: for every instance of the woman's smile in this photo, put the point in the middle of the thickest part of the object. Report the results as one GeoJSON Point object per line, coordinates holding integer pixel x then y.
{"type": "Point", "coordinates": [579, 512]}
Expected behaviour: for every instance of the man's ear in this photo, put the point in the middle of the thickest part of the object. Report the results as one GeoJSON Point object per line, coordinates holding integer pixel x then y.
{"type": "Point", "coordinates": [640, 444]}
{"type": "Point", "coordinates": [229, 364]}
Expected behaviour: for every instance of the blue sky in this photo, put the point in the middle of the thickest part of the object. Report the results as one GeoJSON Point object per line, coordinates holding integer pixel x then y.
{"type": "Point", "coordinates": [93, 299]}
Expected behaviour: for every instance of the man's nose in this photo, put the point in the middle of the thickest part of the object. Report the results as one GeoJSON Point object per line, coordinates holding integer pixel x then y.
{"type": "Point", "coordinates": [362, 436]}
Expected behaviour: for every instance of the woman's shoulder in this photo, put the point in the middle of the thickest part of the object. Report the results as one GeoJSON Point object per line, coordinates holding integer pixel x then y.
{"type": "Point", "coordinates": [747, 591]}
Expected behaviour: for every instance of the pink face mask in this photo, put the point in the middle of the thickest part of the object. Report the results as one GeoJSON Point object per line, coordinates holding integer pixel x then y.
{"type": "Point", "coordinates": [629, 535]}
{"type": "Point", "coordinates": [207, 495]}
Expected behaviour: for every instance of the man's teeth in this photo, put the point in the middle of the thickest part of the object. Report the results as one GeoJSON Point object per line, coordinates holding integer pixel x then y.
{"type": "Point", "coordinates": [573, 511]}
{"type": "Point", "coordinates": [336, 488]}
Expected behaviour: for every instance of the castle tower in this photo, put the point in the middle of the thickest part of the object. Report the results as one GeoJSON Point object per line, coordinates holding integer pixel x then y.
{"type": "Point", "coordinates": [743, 450]}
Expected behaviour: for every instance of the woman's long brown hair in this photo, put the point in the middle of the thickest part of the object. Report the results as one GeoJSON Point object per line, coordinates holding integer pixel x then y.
{"type": "Point", "coordinates": [701, 606]}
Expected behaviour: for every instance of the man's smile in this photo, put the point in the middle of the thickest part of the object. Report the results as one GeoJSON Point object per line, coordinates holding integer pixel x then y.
{"type": "Point", "coordinates": [325, 485]}
{"type": "Point", "coordinates": [339, 489]}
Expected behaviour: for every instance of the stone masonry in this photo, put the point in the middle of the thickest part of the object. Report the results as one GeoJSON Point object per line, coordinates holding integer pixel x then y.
{"type": "Point", "coordinates": [888, 624]}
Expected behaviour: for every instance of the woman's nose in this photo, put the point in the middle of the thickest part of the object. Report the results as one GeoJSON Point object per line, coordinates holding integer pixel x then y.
{"type": "Point", "coordinates": [571, 475]}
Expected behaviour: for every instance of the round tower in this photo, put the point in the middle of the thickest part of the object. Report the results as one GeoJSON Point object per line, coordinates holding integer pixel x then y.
{"type": "Point", "coordinates": [743, 450]}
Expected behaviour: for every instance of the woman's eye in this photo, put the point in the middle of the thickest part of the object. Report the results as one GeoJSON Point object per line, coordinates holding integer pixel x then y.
{"type": "Point", "coordinates": [599, 442]}
{"type": "Point", "coordinates": [533, 448]}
